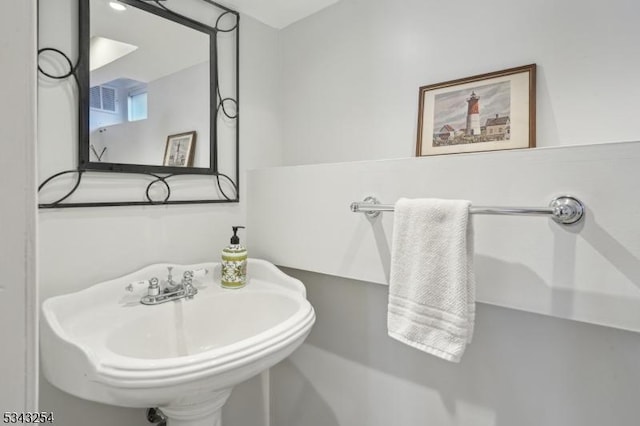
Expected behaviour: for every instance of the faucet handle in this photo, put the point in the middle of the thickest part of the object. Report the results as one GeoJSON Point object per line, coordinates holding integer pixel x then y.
{"type": "Point", "coordinates": [130, 286]}
{"type": "Point", "coordinates": [154, 287]}
{"type": "Point", "coordinates": [196, 273]}
{"type": "Point", "coordinates": [187, 279]}
{"type": "Point", "coordinates": [188, 276]}
{"type": "Point", "coordinates": [200, 272]}
{"type": "Point", "coordinates": [187, 283]}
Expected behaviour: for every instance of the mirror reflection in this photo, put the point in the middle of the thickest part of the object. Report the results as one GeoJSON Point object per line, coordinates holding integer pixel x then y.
{"type": "Point", "coordinates": [149, 89]}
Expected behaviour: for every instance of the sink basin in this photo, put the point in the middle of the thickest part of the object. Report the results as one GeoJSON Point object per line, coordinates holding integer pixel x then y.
{"type": "Point", "coordinates": [183, 356]}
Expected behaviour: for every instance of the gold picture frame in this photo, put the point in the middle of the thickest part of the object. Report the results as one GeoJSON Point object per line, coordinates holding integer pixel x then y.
{"type": "Point", "coordinates": [486, 112]}
{"type": "Point", "coordinates": [180, 149]}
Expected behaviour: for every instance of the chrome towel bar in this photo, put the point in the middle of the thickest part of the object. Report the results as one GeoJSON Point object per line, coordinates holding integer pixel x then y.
{"type": "Point", "coordinates": [565, 210]}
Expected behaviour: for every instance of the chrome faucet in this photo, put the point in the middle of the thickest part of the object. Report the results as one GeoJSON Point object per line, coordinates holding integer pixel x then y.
{"type": "Point", "coordinates": [172, 290]}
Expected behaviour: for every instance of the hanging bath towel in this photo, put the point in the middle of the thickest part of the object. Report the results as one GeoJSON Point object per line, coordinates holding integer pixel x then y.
{"type": "Point", "coordinates": [432, 286]}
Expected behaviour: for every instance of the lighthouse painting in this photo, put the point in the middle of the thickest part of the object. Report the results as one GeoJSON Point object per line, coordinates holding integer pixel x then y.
{"type": "Point", "coordinates": [473, 113]}
{"type": "Point", "coordinates": [481, 113]}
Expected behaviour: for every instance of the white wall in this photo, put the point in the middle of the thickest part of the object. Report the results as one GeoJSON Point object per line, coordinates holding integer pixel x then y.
{"type": "Point", "coordinates": [80, 247]}
{"type": "Point", "coordinates": [347, 88]}
{"type": "Point", "coordinates": [588, 272]}
{"type": "Point", "coordinates": [18, 310]}
{"type": "Point", "coordinates": [521, 369]}
{"type": "Point", "coordinates": [177, 103]}
{"type": "Point", "coordinates": [352, 73]}
{"type": "Point", "coordinates": [353, 70]}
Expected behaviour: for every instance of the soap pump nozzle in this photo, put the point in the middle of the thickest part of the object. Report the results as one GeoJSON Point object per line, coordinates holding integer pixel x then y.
{"type": "Point", "coordinates": [235, 239]}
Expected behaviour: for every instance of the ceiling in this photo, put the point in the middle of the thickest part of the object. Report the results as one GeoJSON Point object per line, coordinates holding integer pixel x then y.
{"type": "Point", "coordinates": [278, 13]}
{"type": "Point", "coordinates": [167, 57]}
{"type": "Point", "coordinates": [170, 55]}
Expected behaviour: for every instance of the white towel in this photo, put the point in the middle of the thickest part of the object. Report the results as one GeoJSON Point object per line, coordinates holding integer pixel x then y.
{"type": "Point", "coordinates": [432, 286]}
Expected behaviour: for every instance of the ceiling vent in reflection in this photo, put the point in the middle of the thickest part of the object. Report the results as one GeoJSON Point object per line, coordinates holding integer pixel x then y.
{"type": "Point", "coordinates": [103, 51]}
{"type": "Point", "coordinates": [102, 98]}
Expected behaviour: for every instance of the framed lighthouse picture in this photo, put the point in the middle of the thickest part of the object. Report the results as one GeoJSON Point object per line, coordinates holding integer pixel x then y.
{"type": "Point", "coordinates": [485, 112]}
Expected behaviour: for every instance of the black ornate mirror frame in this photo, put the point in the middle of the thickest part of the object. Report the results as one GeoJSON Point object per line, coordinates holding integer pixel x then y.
{"type": "Point", "coordinates": [219, 108]}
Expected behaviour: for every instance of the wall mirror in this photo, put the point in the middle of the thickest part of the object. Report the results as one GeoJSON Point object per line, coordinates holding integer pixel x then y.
{"type": "Point", "coordinates": [152, 96]}
{"type": "Point", "coordinates": [149, 79]}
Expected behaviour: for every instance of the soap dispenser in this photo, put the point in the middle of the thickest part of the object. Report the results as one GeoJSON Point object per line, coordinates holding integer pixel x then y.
{"type": "Point", "coordinates": [234, 263]}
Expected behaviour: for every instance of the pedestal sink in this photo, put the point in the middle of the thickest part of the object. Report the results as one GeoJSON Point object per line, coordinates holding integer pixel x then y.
{"type": "Point", "coordinates": [182, 356]}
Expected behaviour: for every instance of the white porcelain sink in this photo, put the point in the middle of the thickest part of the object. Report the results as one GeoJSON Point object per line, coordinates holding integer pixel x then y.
{"type": "Point", "coordinates": [183, 356]}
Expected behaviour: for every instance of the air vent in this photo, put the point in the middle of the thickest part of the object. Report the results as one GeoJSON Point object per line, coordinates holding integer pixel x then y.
{"type": "Point", "coordinates": [95, 100]}
{"type": "Point", "coordinates": [103, 98]}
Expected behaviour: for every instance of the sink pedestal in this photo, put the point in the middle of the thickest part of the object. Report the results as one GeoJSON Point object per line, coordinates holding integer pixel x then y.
{"type": "Point", "coordinates": [203, 413]}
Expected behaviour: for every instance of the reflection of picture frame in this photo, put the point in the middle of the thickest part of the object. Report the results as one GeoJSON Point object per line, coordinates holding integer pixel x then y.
{"type": "Point", "coordinates": [179, 150]}
{"type": "Point", "coordinates": [481, 113]}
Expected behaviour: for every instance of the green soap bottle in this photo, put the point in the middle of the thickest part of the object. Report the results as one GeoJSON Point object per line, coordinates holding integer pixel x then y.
{"type": "Point", "coordinates": [234, 263]}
